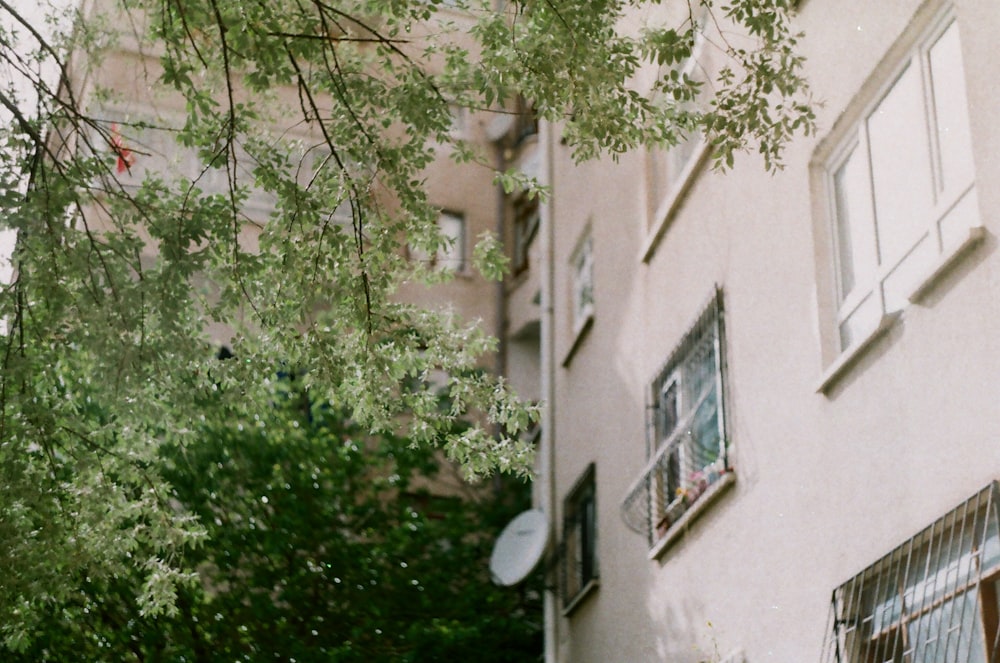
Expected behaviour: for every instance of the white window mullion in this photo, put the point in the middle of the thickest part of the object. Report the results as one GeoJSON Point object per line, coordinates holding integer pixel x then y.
{"type": "Point", "coordinates": [931, 120]}
{"type": "Point", "coordinates": [877, 291]}
{"type": "Point", "coordinates": [720, 399]}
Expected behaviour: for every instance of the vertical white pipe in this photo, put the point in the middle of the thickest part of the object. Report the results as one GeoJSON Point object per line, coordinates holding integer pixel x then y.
{"type": "Point", "coordinates": [547, 461]}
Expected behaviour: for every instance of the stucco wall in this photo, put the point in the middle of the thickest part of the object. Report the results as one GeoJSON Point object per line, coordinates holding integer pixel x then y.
{"type": "Point", "coordinates": [825, 483]}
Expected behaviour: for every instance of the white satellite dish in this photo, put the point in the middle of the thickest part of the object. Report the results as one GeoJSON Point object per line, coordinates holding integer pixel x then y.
{"type": "Point", "coordinates": [519, 548]}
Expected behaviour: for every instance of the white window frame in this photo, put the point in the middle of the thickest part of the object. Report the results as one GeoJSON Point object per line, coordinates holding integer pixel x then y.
{"type": "Point", "coordinates": [668, 180]}
{"type": "Point", "coordinates": [582, 283]}
{"type": "Point", "coordinates": [950, 227]}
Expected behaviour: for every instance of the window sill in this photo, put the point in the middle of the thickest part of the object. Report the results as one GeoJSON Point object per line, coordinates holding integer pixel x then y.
{"type": "Point", "coordinates": [973, 236]}
{"type": "Point", "coordinates": [925, 284]}
{"type": "Point", "coordinates": [703, 502]}
{"type": "Point", "coordinates": [581, 596]}
{"type": "Point", "coordinates": [578, 337]}
{"type": "Point", "coordinates": [668, 207]}
{"type": "Point", "coordinates": [850, 356]}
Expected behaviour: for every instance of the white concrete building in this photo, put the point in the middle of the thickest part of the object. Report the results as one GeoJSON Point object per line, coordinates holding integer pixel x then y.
{"type": "Point", "coordinates": [772, 431]}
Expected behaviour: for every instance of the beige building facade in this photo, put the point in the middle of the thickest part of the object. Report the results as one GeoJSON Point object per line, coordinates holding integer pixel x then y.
{"type": "Point", "coordinates": [771, 425]}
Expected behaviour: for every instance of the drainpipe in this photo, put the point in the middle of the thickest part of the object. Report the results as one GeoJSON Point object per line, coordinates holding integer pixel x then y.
{"type": "Point", "coordinates": [500, 163]}
{"type": "Point", "coordinates": [547, 460]}
{"type": "Point", "coordinates": [500, 328]}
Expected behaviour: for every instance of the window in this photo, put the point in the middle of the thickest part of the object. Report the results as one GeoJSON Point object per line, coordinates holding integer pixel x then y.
{"type": "Point", "coordinates": [526, 221]}
{"type": "Point", "coordinates": [144, 145]}
{"type": "Point", "coordinates": [902, 187]}
{"type": "Point", "coordinates": [671, 170]}
{"type": "Point", "coordinates": [934, 598]}
{"type": "Point", "coordinates": [579, 555]}
{"type": "Point", "coordinates": [451, 254]}
{"type": "Point", "coordinates": [526, 125]}
{"type": "Point", "coordinates": [582, 271]}
{"type": "Point", "coordinates": [687, 434]}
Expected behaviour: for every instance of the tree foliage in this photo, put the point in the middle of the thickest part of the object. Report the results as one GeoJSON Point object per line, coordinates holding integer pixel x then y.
{"type": "Point", "coordinates": [323, 544]}
{"type": "Point", "coordinates": [328, 111]}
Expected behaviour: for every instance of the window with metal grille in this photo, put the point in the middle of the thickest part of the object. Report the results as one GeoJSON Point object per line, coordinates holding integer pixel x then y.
{"type": "Point", "coordinates": [579, 554]}
{"type": "Point", "coordinates": [687, 434]}
{"type": "Point", "coordinates": [932, 599]}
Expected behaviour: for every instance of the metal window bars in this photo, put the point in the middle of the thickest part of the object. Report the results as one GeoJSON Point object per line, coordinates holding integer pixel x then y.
{"type": "Point", "coordinates": [688, 444]}
{"type": "Point", "coordinates": [578, 551]}
{"type": "Point", "coordinates": [931, 600]}
{"type": "Point", "coordinates": [681, 473]}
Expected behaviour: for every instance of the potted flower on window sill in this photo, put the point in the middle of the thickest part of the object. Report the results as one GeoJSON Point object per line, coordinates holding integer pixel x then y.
{"type": "Point", "coordinates": [696, 484]}
{"type": "Point", "coordinates": [672, 513]}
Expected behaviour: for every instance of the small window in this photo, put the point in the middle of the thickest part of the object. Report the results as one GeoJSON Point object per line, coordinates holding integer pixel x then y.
{"type": "Point", "coordinates": [451, 256]}
{"type": "Point", "coordinates": [902, 187]}
{"type": "Point", "coordinates": [526, 221]}
{"type": "Point", "coordinates": [582, 271]}
{"type": "Point", "coordinates": [579, 554]}
{"type": "Point", "coordinates": [688, 448]}
{"type": "Point", "coordinates": [934, 598]}
{"type": "Point", "coordinates": [527, 121]}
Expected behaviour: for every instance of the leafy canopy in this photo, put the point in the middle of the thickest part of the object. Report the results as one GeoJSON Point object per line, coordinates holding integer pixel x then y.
{"type": "Point", "coordinates": [326, 113]}
{"type": "Point", "coordinates": [323, 543]}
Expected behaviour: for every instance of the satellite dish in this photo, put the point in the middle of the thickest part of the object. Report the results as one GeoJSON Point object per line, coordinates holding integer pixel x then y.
{"type": "Point", "coordinates": [519, 548]}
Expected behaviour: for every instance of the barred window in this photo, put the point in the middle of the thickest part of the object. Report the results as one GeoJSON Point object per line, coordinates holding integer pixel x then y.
{"type": "Point", "coordinates": [932, 599]}
{"type": "Point", "coordinates": [688, 446]}
{"type": "Point", "coordinates": [579, 554]}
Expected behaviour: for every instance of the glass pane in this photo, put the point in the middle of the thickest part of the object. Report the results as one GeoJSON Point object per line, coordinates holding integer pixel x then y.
{"type": "Point", "coordinates": [950, 632]}
{"type": "Point", "coordinates": [855, 226]}
{"type": "Point", "coordinates": [991, 546]}
{"type": "Point", "coordinates": [669, 409]}
{"type": "Point", "coordinates": [901, 166]}
{"type": "Point", "coordinates": [452, 256]}
{"type": "Point", "coordinates": [583, 295]}
{"type": "Point", "coordinates": [950, 106]}
{"type": "Point", "coordinates": [706, 444]}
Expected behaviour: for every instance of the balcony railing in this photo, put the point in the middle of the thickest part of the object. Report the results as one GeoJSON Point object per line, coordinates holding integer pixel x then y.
{"type": "Point", "coordinates": [685, 470]}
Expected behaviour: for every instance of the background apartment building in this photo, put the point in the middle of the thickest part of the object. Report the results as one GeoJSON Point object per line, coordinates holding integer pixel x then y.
{"type": "Point", "coordinates": [123, 90]}
{"type": "Point", "coordinates": [772, 425]}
